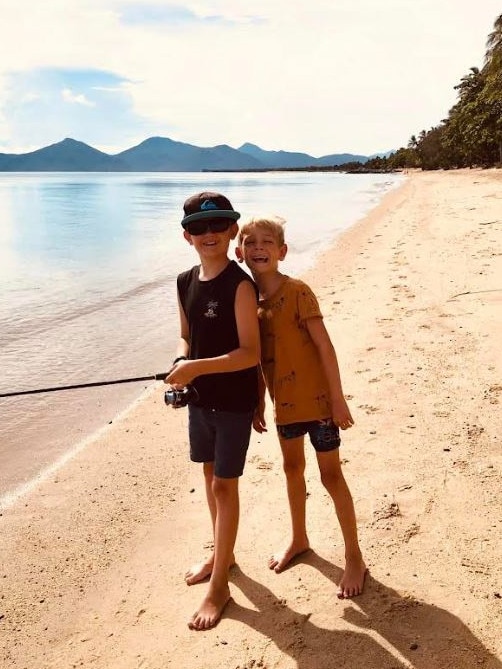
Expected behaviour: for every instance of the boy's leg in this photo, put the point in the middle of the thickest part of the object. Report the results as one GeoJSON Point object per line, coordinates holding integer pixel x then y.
{"type": "Point", "coordinates": [226, 496]}
{"type": "Point", "coordinates": [332, 477]}
{"type": "Point", "coordinates": [202, 449]}
{"type": "Point", "coordinates": [201, 570]}
{"type": "Point", "coordinates": [232, 433]}
{"type": "Point", "coordinates": [294, 467]}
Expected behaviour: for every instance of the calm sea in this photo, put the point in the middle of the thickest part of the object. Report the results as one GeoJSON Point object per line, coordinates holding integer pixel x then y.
{"type": "Point", "coordinates": [87, 270]}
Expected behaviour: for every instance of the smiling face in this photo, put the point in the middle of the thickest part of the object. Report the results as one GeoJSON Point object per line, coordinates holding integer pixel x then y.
{"type": "Point", "coordinates": [212, 243]}
{"type": "Point", "coordinates": [260, 249]}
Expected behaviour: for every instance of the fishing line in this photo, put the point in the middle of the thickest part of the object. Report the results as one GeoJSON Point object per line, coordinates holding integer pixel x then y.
{"type": "Point", "coordinates": [153, 377]}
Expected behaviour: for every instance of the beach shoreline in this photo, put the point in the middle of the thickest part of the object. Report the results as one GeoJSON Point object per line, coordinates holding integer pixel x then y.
{"type": "Point", "coordinates": [124, 323]}
{"type": "Point", "coordinates": [93, 557]}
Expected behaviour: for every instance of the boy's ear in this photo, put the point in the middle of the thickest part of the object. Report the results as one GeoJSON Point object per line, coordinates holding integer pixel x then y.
{"type": "Point", "coordinates": [187, 237]}
{"type": "Point", "coordinates": [238, 254]}
{"type": "Point", "coordinates": [283, 251]}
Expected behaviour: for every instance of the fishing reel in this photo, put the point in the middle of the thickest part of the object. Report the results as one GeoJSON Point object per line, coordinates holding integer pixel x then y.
{"type": "Point", "coordinates": [180, 397]}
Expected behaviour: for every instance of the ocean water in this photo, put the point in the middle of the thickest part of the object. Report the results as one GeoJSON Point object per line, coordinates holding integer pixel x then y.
{"type": "Point", "coordinates": [88, 264]}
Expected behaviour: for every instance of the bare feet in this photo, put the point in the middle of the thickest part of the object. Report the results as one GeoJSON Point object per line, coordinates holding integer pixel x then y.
{"type": "Point", "coordinates": [199, 572]}
{"type": "Point", "coordinates": [279, 561]}
{"type": "Point", "coordinates": [202, 570]}
{"type": "Point", "coordinates": [352, 582]}
{"type": "Point", "coordinates": [210, 611]}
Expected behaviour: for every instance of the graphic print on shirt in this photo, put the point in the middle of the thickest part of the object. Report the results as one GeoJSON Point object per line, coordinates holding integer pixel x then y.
{"type": "Point", "coordinates": [211, 309]}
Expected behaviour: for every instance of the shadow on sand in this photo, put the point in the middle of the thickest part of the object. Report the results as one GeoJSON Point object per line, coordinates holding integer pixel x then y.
{"type": "Point", "coordinates": [393, 631]}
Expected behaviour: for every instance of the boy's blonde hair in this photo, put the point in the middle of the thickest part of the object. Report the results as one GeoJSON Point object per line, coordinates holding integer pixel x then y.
{"type": "Point", "coordinates": [272, 224]}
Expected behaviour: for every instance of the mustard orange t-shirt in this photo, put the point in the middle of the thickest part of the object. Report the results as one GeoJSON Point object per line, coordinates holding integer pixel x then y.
{"type": "Point", "coordinates": [291, 364]}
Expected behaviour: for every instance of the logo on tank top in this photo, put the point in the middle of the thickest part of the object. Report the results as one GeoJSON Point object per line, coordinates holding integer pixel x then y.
{"type": "Point", "coordinates": [211, 309]}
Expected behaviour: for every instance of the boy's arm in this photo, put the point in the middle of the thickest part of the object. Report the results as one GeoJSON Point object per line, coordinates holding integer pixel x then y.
{"type": "Point", "coordinates": [259, 422]}
{"type": "Point", "coordinates": [246, 355]}
{"type": "Point", "coordinates": [340, 412]}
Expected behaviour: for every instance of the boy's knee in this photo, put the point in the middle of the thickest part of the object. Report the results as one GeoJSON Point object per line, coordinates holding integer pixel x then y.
{"type": "Point", "coordinates": [294, 469]}
{"type": "Point", "coordinates": [331, 478]}
{"type": "Point", "coordinates": [224, 487]}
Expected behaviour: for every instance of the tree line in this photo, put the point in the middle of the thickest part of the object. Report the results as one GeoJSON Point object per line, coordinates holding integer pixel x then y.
{"type": "Point", "coordinates": [471, 135]}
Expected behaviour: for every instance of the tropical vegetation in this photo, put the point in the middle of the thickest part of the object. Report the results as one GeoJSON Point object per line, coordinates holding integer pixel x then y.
{"type": "Point", "coordinates": [471, 135]}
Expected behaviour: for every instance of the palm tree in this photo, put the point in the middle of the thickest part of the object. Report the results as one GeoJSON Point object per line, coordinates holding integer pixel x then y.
{"type": "Point", "coordinates": [492, 93]}
{"type": "Point", "coordinates": [493, 55]}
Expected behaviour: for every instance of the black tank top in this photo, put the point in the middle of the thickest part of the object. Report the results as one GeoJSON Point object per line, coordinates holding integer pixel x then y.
{"type": "Point", "coordinates": [209, 307]}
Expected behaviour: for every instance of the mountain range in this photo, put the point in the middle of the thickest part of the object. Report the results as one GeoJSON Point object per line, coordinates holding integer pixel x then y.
{"type": "Point", "coordinates": [161, 154]}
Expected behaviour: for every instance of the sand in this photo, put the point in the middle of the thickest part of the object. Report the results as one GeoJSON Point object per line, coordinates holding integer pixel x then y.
{"type": "Point", "coordinates": [92, 559]}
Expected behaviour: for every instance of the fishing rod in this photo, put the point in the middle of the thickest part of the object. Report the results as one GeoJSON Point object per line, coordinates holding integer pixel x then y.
{"type": "Point", "coordinates": [153, 377]}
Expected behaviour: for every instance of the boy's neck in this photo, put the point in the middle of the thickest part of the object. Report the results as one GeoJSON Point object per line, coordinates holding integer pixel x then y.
{"type": "Point", "coordinates": [269, 283]}
{"type": "Point", "coordinates": [211, 267]}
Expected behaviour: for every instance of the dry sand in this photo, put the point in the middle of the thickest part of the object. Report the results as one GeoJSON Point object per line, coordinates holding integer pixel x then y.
{"type": "Point", "coordinates": [92, 559]}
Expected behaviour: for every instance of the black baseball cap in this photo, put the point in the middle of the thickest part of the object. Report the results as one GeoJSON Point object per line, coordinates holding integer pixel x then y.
{"type": "Point", "coordinates": [208, 205]}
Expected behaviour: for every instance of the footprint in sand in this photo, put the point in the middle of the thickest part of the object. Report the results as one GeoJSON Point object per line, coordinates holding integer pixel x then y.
{"type": "Point", "coordinates": [492, 394]}
{"type": "Point", "coordinates": [412, 531]}
{"type": "Point", "coordinates": [475, 567]}
{"type": "Point", "coordinates": [368, 409]}
{"type": "Point", "coordinates": [474, 431]}
{"type": "Point", "coordinates": [385, 512]}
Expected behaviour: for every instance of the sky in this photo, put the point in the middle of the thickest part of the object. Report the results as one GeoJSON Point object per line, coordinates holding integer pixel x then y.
{"type": "Point", "coordinates": [320, 77]}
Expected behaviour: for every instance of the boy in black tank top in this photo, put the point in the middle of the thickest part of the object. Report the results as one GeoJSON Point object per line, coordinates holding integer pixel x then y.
{"type": "Point", "coordinates": [218, 354]}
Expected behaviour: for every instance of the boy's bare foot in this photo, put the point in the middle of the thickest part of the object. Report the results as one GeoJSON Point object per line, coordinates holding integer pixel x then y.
{"type": "Point", "coordinates": [210, 611]}
{"type": "Point", "coordinates": [198, 572]}
{"type": "Point", "coordinates": [279, 561]}
{"type": "Point", "coordinates": [352, 582]}
{"type": "Point", "coordinates": [202, 570]}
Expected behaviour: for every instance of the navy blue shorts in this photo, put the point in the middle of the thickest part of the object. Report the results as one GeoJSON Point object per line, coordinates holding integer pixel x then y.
{"type": "Point", "coordinates": [221, 437]}
{"type": "Point", "coordinates": [324, 434]}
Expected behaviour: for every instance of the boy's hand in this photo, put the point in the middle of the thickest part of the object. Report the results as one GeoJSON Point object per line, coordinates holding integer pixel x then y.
{"type": "Point", "coordinates": [341, 415]}
{"type": "Point", "coordinates": [180, 374]}
{"type": "Point", "coordinates": [259, 423]}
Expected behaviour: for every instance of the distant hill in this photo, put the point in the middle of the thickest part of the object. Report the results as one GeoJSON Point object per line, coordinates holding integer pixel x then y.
{"type": "Point", "coordinates": [340, 159]}
{"type": "Point", "coordinates": [386, 154]}
{"type": "Point", "coordinates": [281, 159]}
{"type": "Point", "coordinates": [4, 159]}
{"type": "Point", "coordinates": [278, 159]}
{"type": "Point", "coordinates": [66, 156]}
{"type": "Point", "coordinates": [161, 154]}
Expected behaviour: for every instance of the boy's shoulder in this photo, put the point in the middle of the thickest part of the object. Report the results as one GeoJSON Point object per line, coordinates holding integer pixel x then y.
{"type": "Point", "coordinates": [242, 275]}
{"type": "Point", "coordinates": [297, 283]}
{"type": "Point", "coordinates": [188, 273]}
{"type": "Point", "coordinates": [231, 268]}
{"type": "Point", "coordinates": [190, 270]}
{"type": "Point", "coordinates": [235, 268]}
{"type": "Point", "coordinates": [232, 275]}
{"type": "Point", "coordinates": [294, 285]}
{"type": "Point", "coordinates": [300, 296]}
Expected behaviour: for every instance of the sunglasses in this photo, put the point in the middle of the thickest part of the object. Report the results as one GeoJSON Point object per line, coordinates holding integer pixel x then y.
{"type": "Point", "coordinates": [196, 228]}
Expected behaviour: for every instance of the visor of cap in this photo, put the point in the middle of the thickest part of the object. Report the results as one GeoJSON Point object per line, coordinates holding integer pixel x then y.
{"type": "Point", "coordinates": [211, 213]}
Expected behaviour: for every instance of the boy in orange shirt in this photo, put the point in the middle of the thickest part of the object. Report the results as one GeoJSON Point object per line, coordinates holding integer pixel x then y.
{"type": "Point", "coordinates": [301, 373]}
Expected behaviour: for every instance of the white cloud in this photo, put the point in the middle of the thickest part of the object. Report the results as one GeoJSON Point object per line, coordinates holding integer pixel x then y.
{"type": "Point", "coordinates": [69, 96]}
{"type": "Point", "coordinates": [320, 77]}
{"type": "Point", "coordinates": [108, 89]}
